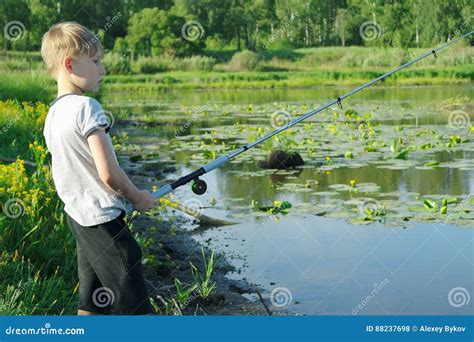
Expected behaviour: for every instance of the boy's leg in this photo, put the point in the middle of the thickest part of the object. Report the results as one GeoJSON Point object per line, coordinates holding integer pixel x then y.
{"type": "Point", "coordinates": [88, 284]}
{"type": "Point", "coordinates": [115, 257]}
{"type": "Point", "coordinates": [88, 281]}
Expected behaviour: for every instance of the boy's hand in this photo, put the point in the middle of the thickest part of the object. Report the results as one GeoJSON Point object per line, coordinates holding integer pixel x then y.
{"type": "Point", "coordinates": [144, 202]}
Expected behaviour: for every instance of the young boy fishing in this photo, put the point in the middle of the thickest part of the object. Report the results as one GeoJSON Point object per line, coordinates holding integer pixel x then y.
{"type": "Point", "coordinates": [88, 178]}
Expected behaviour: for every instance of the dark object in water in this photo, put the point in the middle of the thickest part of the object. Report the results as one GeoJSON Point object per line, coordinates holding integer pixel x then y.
{"type": "Point", "coordinates": [279, 159]}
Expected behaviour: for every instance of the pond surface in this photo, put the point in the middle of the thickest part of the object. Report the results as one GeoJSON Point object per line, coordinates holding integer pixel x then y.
{"type": "Point", "coordinates": [382, 214]}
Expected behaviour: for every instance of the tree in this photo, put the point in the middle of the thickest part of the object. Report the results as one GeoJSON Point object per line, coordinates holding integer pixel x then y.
{"type": "Point", "coordinates": [153, 31]}
{"type": "Point", "coordinates": [341, 25]}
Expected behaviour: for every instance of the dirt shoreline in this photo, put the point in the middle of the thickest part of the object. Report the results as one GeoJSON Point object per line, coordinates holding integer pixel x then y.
{"type": "Point", "coordinates": [175, 249]}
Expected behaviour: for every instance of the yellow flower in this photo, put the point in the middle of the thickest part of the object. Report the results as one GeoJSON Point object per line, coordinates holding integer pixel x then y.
{"type": "Point", "coordinates": [276, 203]}
{"type": "Point", "coordinates": [328, 158]}
{"type": "Point", "coordinates": [353, 181]}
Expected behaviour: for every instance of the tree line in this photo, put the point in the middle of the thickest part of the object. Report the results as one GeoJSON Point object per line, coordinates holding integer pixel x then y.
{"type": "Point", "coordinates": [187, 27]}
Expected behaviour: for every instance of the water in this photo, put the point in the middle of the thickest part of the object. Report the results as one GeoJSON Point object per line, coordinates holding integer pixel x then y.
{"type": "Point", "coordinates": [316, 259]}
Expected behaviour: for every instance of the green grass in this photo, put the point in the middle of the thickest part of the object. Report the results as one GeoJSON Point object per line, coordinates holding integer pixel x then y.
{"type": "Point", "coordinates": [37, 250]}
{"type": "Point", "coordinates": [37, 259]}
{"type": "Point", "coordinates": [225, 80]}
{"type": "Point", "coordinates": [24, 78]}
{"type": "Point", "coordinates": [27, 86]}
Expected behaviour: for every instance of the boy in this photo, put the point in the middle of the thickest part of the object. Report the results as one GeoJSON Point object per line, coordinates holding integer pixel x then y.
{"type": "Point", "coordinates": [88, 178]}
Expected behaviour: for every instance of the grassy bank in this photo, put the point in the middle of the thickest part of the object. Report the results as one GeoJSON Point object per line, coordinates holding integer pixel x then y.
{"type": "Point", "coordinates": [253, 79]}
{"type": "Point", "coordinates": [37, 250]}
{"type": "Point", "coordinates": [26, 87]}
{"type": "Point", "coordinates": [37, 257]}
{"type": "Point", "coordinates": [24, 78]}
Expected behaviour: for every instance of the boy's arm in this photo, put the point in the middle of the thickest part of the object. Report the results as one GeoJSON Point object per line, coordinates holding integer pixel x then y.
{"type": "Point", "coordinates": [112, 174]}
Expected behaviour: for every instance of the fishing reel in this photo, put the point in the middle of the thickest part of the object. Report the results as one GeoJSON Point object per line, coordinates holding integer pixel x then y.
{"type": "Point", "coordinates": [199, 186]}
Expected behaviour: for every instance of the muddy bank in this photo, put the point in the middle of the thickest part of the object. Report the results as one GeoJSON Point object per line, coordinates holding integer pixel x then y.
{"type": "Point", "coordinates": [173, 249]}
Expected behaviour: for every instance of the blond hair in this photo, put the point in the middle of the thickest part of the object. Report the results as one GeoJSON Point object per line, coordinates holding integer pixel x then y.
{"type": "Point", "coordinates": [68, 39]}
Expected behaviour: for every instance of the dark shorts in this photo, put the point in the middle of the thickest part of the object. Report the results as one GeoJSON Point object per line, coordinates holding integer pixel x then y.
{"type": "Point", "coordinates": [110, 269]}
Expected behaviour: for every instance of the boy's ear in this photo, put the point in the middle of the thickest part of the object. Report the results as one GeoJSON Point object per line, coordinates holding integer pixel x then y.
{"type": "Point", "coordinates": [67, 63]}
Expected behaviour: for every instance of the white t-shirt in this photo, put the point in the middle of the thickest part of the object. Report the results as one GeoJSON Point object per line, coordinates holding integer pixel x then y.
{"type": "Point", "coordinates": [71, 118]}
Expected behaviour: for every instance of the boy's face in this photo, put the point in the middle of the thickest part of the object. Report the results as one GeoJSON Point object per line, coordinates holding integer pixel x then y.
{"type": "Point", "coordinates": [87, 72]}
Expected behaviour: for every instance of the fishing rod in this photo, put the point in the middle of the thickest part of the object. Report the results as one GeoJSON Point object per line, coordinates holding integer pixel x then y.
{"type": "Point", "coordinates": [199, 186]}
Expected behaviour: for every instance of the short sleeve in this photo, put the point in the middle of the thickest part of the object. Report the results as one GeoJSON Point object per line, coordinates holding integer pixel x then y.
{"type": "Point", "coordinates": [91, 117]}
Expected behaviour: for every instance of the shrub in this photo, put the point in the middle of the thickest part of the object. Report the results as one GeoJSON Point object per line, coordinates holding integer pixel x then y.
{"type": "Point", "coordinates": [350, 60]}
{"type": "Point", "coordinates": [116, 64]}
{"type": "Point", "coordinates": [196, 63]}
{"type": "Point", "coordinates": [150, 65]}
{"type": "Point", "coordinates": [121, 46]}
{"type": "Point", "coordinates": [245, 60]}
